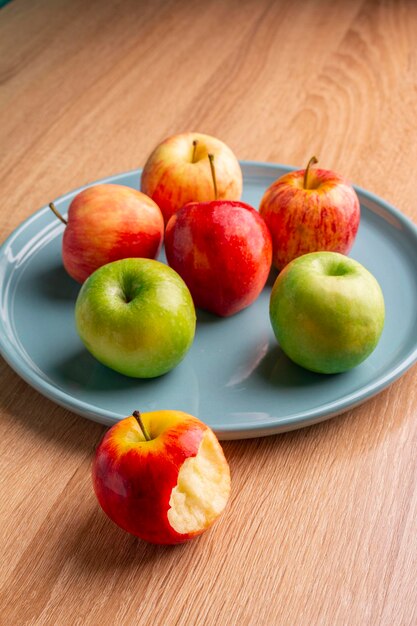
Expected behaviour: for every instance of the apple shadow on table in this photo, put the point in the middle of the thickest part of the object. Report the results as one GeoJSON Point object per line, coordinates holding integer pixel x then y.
{"type": "Point", "coordinates": [97, 545]}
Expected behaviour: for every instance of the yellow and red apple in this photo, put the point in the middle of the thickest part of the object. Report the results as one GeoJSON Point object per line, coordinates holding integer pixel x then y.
{"type": "Point", "coordinates": [161, 476]}
{"type": "Point", "coordinates": [178, 171]}
{"type": "Point", "coordinates": [108, 222]}
{"type": "Point", "coordinates": [310, 210]}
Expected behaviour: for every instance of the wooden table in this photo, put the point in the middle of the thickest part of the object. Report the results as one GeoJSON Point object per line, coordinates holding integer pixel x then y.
{"type": "Point", "coordinates": [321, 528]}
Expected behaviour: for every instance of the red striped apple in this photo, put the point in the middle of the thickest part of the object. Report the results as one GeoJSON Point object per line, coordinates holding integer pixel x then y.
{"type": "Point", "coordinates": [178, 171]}
{"type": "Point", "coordinates": [222, 250]}
{"type": "Point", "coordinates": [106, 223]}
{"type": "Point", "coordinates": [161, 476]}
{"type": "Point", "coordinates": [308, 211]}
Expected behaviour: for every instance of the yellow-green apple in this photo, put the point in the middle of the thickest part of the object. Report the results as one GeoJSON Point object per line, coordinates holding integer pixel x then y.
{"type": "Point", "coordinates": [178, 171]}
{"type": "Point", "coordinates": [161, 476]}
{"type": "Point", "coordinates": [136, 316]}
{"type": "Point", "coordinates": [107, 222]}
{"type": "Point", "coordinates": [308, 211]}
{"type": "Point", "coordinates": [223, 251]}
{"type": "Point", "coordinates": [327, 312]}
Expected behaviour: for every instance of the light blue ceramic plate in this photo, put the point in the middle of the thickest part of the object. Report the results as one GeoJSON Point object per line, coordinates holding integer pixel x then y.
{"type": "Point", "coordinates": [235, 377]}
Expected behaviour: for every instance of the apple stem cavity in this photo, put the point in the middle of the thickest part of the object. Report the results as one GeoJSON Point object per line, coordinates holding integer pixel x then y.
{"type": "Point", "coordinates": [138, 418]}
{"type": "Point", "coordinates": [306, 182]}
{"type": "Point", "coordinates": [195, 143]}
{"type": "Point", "coordinates": [57, 213]}
{"type": "Point", "coordinates": [213, 174]}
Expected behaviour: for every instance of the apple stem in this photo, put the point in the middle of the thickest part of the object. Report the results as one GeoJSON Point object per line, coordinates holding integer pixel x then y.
{"type": "Point", "coordinates": [138, 418]}
{"type": "Point", "coordinates": [306, 182]}
{"type": "Point", "coordinates": [57, 213]}
{"type": "Point", "coordinates": [213, 174]}
{"type": "Point", "coordinates": [195, 142]}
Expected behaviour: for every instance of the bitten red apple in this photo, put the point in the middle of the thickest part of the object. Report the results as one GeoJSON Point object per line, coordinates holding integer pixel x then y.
{"type": "Point", "coordinates": [222, 250]}
{"type": "Point", "coordinates": [161, 476]}
{"type": "Point", "coordinates": [178, 171]}
{"type": "Point", "coordinates": [310, 210]}
{"type": "Point", "coordinates": [108, 222]}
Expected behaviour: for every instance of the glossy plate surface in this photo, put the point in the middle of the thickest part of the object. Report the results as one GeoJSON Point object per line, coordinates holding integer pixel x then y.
{"type": "Point", "coordinates": [235, 376]}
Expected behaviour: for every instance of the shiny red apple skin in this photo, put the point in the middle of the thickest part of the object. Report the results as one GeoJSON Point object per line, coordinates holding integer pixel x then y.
{"type": "Point", "coordinates": [324, 217]}
{"type": "Point", "coordinates": [133, 478]}
{"type": "Point", "coordinates": [223, 251]}
{"type": "Point", "coordinates": [172, 177]}
{"type": "Point", "coordinates": [108, 222]}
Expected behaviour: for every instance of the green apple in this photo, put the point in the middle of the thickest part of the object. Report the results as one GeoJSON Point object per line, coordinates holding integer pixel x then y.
{"type": "Point", "coordinates": [327, 312]}
{"type": "Point", "coordinates": [136, 316]}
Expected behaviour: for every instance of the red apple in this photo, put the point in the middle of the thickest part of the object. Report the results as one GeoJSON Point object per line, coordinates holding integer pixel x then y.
{"type": "Point", "coordinates": [106, 223]}
{"type": "Point", "coordinates": [222, 250]}
{"type": "Point", "coordinates": [161, 476]}
{"type": "Point", "coordinates": [178, 171]}
{"type": "Point", "coordinates": [309, 211]}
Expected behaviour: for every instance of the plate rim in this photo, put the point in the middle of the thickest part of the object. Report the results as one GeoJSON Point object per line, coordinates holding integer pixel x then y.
{"type": "Point", "coordinates": [236, 430]}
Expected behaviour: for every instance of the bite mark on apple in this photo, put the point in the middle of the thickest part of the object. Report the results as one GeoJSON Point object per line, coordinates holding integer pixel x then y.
{"type": "Point", "coordinates": [202, 490]}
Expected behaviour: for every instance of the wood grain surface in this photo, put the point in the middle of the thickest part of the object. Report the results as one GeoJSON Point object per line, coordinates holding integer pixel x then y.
{"type": "Point", "coordinates": [322, 525]}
